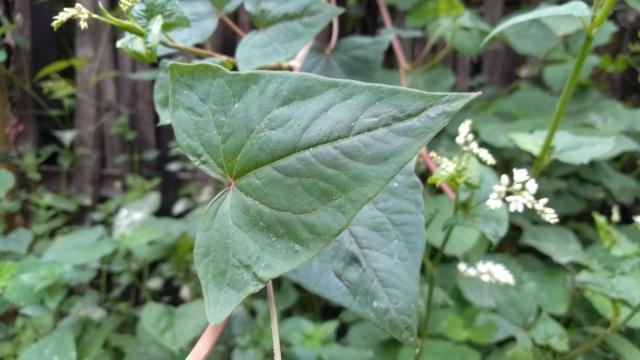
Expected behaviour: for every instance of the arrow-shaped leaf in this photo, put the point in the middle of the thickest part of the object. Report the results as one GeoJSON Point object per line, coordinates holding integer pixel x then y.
{"type": "Point", "coordinates": [304, 155]}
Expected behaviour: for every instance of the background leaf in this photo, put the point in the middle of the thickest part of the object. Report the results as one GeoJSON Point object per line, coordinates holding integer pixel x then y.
{"type": "Point", "coordinates": [573, 8]}
{"type": "Point", "coordinates": [174, 327]}
{"type": "Point", "coordinates": [284, 27]}
{"type": "Point", "coordinates": [354, 57]}
{"type": "Point", "coordinates": [80, 247]}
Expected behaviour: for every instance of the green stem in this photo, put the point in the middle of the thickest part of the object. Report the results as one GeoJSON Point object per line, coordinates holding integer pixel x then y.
{"type": "Point", "coordinates": [133, 28]}
{"type": "Point", "coordinates": [432, 268]}
{"type": "Point", "coordinates": [544, 156]}
{"type": "Point", "coordinates": [613, 328]}
{"type": "Point", "coordinates": [545, 152]}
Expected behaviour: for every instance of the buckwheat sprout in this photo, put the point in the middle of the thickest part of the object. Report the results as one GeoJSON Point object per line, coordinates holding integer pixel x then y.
{"type": "Point", "coordinates": [77, 12]}
{"type": "Point", "coordinates": [467, 142]}
{"type": "Point", "coordinates": [127, 5]}
{"type": "Point", "coordinates": [445, 165]}
{"type": "Point", "coordinates": [487, 271]}
{"type": "Point", "coordinates": [520, 195]}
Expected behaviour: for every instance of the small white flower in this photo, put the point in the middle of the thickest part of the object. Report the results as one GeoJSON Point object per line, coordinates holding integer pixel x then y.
{"type": "Point", "coordinates": [636, 221]}
{"type": "Point", "coordinates": [531, 185]}
{"type": "Point", "coordinates": [155, 283]}
{"type": "Point", "coordinates": [185, 293]}
{"type": "Point", "coordinates": [78, 12]}
{"type": "Point", "coordinates": [494, 202]}
{"type": "Point", "coordinates": [520, 175]}
{"type": "Point", "coordinates": [615, 214]}
{"type": "Point", "coordinates": [487, 271]}
{"type": "Point", "coordinates": [515, 205]}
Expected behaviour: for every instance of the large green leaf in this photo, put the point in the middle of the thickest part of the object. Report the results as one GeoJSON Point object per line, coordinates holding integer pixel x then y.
{"type": "Point", "coordinates": [304, 155]}
{"type": "Point", "coordinates": [59, 345]}
{"type": "Point", "coordinates": [574, 8]}
{"type": "Point", "coordinates": [354, 57]}
{"type": "Point", "coordinates": [284, 27]}
{"type": "Point", "coordinates": [173, 327]}
{"type": "Point", "coordinates": [373, 267]}
{"type": "Point", "coordinates": [80, 247]}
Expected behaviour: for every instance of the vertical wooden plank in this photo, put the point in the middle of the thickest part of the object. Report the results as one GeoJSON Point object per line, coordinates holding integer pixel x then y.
{"type": "Point", "coordinates": [493, 60]}
{"type": "Point", "coordinates": [145, 121]}
{"type": "Point", "coordinates": [87, 166]}
{"type": "Point", "coordinates": [463, 72]}
{"type": "Point", "coordinates": [109, 111]}
{"type": "Point", "coordinates": [24, 104]}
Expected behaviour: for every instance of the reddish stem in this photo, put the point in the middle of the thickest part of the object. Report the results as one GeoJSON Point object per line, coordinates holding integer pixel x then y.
{"type": "Point", "coordinates": [395, 43]}
{"type": "Point", "coordinates": [225, 19]}
{"type": "Point", "coordinates": [428, 161]}
{"type": "Point", "coordinates": [335, 29]}
{"type": "Point", "coordinates": [402, 61]}
{"type": "Point", "coordinates": [207, 341]}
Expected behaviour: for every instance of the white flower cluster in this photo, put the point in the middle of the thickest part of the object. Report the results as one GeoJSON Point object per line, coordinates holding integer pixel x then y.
{"type": "Point", "coordinates": [636, 221]}
{"type": "Point", "coordinates": [520, 195]}
{"type": "Point", "coordinates": [488, 271]}
{"type": "Point", "coordinates": [467, 142]}
{"type": "Point", "coordinates": [127, 5]}
{"type": "Point", "coordinates": [78, 12]}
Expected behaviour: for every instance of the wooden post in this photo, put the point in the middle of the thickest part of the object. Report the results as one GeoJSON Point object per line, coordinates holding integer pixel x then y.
{"type": "Point", "coordinates": [86, 147]}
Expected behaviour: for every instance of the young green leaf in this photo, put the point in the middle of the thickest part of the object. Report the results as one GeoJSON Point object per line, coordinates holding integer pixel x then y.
{"type": "Point", "coordinates": [372, 269]}
{"type": "Point", "coordinates": [203, 20]}
{"type": "Point", "coordinates": [171, 12]}
{"type": "Point", "coordinates": [304, 155]}
{"type": "Point", "coordinates": [284, 27]}
{"type": "Point", "coordinates": [574, 8]}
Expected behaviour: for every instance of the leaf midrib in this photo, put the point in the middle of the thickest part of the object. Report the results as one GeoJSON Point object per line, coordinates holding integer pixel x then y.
{"type": "Point", "coordinates": [409, 118]}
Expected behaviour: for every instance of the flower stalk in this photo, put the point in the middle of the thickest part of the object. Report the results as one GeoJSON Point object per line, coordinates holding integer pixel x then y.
{"type": "Point", "coordinates": [544, 156]}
